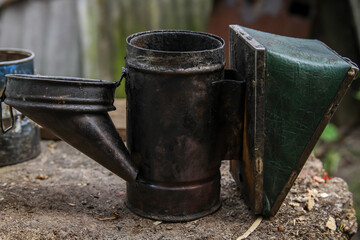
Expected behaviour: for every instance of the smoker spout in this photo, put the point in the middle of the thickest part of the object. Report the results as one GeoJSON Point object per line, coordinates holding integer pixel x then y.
{"type": "Point", "coordinates": [92, 134]}
{"type": "Point", "coordinates": [76, 111]}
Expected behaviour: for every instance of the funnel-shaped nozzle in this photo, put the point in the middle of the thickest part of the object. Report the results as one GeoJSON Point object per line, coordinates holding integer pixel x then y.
{"type": "Point", "coordinates": [76, 111]}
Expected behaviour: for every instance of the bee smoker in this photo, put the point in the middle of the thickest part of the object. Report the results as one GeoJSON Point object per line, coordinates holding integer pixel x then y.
{"type": "Point", "coordinates": [172, 83]}
{"type": "Point", "coordinates": [185, 114]}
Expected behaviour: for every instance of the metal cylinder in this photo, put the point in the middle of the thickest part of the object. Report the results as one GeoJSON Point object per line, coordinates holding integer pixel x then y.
{"type": "Point", "coordinates": [171, 123]}
{"type": "Point", "coordinates": [23, 142]}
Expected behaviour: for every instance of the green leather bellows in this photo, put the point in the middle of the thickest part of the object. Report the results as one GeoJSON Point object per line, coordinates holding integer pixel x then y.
{"type": "Point", "coordinates": [293, 88]}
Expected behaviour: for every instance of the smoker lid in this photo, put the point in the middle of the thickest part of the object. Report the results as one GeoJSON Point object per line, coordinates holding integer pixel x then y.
{"type": "Point", "coordinates": [293, 88]}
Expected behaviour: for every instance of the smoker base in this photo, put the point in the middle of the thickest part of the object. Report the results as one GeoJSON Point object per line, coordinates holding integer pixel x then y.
{"type": "Point", "coordinates": [174, 203]}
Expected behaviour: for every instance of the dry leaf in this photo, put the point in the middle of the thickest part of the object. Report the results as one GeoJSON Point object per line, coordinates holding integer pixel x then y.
{"type": "Point", "coordinates": [115, 216]}
{"type": "Point", "coordinates": [331, 224]}
{"type": "Point", "coordinates": [107, 219]}
{"type": "Point", "coordinates": [251, 229]}
{"type": "Point", "coordinates": [294, 204]}
{"type": "Point", "coordinates": [312, 193]}
{"type": "Point", "coordinates": [318, 179]}
{"type": "Point", "coordinates": [310, 204]}
{"type": "Point", "coordinates": [42, 177]}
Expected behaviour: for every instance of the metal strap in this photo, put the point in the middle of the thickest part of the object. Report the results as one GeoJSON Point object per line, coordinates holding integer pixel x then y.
{"type": "Point", "coordinates": [123, 75]}
{"type": "Point", "coordinates": [2, 99]}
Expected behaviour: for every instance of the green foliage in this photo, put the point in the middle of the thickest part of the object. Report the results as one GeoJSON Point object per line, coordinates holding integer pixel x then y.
{"type": "Point", "coordinates": [354, 187]}
{"type": "Point", "coordinates": [331, 161]}
{"type": "Point", "coordinates": [357, 95]}
{"type": "Point", "coordinates": [330, 134]}
{"type": "Point", "coordinates": [332, 157]}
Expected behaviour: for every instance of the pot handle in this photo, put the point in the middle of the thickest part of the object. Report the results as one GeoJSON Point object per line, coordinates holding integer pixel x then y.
{"type": "Point", "coordinates": [124, 71]}
{"type": "Point", "coordinates": [2, 99]}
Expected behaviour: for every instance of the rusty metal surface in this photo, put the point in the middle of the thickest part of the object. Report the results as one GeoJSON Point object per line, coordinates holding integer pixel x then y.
{"type": "Point", "coordinates": [23, 141]}
{"type": "Point", "coordinates": [60, 93]}
{"type": "Point", "coordinates": [248, 58]}
{"type": "Point", "coordinates": [75, 110]}
{"type": "Point", "coordinates": [183, 118]}
{"type": "Point", "coordinates": [175, 52]}
{"type": "Point", "coordinates": [171, 123]}
{"type": "Point", "coordinates": [230, 114]}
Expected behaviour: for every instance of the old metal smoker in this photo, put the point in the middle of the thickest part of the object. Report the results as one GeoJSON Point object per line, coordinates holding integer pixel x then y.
{"type": "Point", "coordinates": [172, 162]}
{"type": "Point", "coordinates": [185, 114]}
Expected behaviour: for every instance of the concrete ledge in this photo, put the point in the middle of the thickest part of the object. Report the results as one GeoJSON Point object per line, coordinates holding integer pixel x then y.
{"type": "Point", "coordinates": [62, 194]}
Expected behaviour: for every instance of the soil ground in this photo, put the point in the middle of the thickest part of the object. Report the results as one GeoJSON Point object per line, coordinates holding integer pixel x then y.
{"type": "Point", "coordinates": [62, 194]}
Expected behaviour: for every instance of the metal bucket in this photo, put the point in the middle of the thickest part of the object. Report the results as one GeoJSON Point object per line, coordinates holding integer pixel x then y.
{"type": "Point", "coordinates": [171, 123]}
{"type": "Point", "coordinates": [23, 142]}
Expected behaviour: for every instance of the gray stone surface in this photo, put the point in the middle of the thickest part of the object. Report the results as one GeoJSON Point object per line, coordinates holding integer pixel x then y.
{"type": "Point", "coordinates": [62, 194]}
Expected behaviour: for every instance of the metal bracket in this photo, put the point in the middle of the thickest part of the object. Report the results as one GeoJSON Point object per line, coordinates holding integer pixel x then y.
{"type": "Point", "coordinates": [2, 99]}
{"type": "Point", "coordinates": [124, 71]}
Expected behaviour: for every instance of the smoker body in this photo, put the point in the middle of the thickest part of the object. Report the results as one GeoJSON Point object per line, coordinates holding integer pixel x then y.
{"type": "Point", "coordinates": [171, 123]}
{"type": "Point", "coordinates": [172, 83]}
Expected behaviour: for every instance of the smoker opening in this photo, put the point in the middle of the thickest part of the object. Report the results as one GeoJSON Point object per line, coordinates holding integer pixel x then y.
{"type": "Point", "coordinates": [176, 41]}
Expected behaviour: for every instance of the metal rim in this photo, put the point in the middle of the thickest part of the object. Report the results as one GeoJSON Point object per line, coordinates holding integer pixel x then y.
{"type": "Point", "coordinates": [133, 36]}
{"type": "Point", "coordinates": [174, 218]}
{"type": "Point", "coordinates": [176, 61]}
{"type": "Point", "coordinates": [60, 79]}
{"type": "Point", "coordinates": [28, 56]}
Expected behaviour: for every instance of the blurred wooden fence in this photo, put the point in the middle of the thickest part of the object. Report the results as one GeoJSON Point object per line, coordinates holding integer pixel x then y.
{"type": "Point", "coordinates": [86, 38]}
